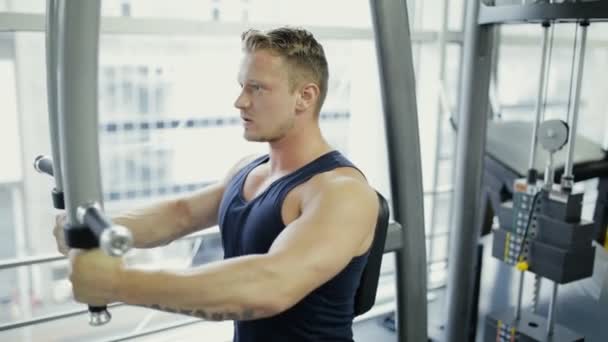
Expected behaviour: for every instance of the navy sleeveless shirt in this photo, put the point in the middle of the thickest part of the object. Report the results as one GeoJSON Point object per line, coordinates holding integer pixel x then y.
{"type": "Point", "coordinates": [250, 227]}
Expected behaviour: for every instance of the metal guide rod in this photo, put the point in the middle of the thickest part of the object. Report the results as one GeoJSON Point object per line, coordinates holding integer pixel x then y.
{"type": "Point", "coordinates": [52, 10]}
{"type": "Point", "coordinates": [397, 81]}
{"type": "Point", "coordinates": [549, 173]}
{"type": "Point", "coordinates": [536, 293]}
{"type": "Point", "coordinates": [540, 98]}
{"type": "Point", "coordinates": [568, 177]}
{"type": "Point", "coordinates": [552, 305]}
{"type": "Point", "coordinates": [520, 291]}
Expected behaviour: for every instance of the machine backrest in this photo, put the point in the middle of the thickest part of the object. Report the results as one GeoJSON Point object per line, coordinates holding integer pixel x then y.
{"type": "Point", "coordinates": [366, 293]}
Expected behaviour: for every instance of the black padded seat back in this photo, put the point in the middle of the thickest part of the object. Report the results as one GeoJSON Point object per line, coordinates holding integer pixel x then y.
{"type": "Point", "coordinates": [366, 293]}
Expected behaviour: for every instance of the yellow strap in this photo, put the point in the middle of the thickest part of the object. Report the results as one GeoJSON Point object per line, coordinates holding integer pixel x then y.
{"type": "Point", "coordinates": [606, 240]}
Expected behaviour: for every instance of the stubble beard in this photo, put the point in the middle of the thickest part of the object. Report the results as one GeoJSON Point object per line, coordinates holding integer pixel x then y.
{"type": "Point", "coordinates": [278, 134]}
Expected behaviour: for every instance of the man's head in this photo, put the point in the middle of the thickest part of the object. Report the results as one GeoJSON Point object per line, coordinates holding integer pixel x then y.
{"type": "Point", "coordinates": [284, 73]}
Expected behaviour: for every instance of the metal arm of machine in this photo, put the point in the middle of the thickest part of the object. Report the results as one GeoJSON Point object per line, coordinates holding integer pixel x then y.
{"type": "Point", "coordinates": [72, 37]}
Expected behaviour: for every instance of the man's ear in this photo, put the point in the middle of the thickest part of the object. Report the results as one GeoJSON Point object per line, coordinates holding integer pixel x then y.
{"type": "Point", "coordinates": [308, 96]}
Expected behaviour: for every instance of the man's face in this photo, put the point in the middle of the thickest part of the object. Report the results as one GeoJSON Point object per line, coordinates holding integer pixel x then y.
{"type": "Point", "coordinates": [266, 104]}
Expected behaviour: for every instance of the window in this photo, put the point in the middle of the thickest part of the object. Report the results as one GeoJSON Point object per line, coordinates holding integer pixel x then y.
{"type": "Point", "coordinates": [517, 86]}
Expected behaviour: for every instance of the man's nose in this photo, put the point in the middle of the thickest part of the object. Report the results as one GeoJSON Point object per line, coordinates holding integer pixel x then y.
{"type": "Point", "coordinates": [241, 101]}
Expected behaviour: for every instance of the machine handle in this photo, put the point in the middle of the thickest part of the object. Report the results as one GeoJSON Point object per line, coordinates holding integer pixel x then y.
{"type": "Point", "coordinates": [114, 240]}
{"type": "Point", "coordinates": [44, 164]}
{"type": "Point", "coordinates": [99, 315]}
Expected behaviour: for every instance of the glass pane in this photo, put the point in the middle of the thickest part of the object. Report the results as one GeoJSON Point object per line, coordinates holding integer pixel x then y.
{"type": "Point", "coordinates": [446, 172]}
{"type": "Point", "coordinates": [518, 78]}
{"type": "Point", "coordinates": [428, 87]}
{"type": "Point", "coordinates": [10, 145]}
{"type": "Point", "coordinates": [439, 251]}
{"type": "Point", "coordinates": [427, 90]}
{"type": "Point", "coordinates": [452, 74]}
{"type": "Point", "coordinates": [23, 6]}
{"type": "Point", "coordinates": [432, 14]}
{"type": "Point", "coordinates": [456, 14]}
{"type": "Point", "coordinates": [8, 278]}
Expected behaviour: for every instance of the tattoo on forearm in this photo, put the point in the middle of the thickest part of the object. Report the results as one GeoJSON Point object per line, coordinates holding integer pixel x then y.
{"type": "Point", "coordinates": [247, 314]}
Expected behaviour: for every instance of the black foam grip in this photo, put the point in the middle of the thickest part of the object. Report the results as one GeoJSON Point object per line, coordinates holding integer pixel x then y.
{"type": "Point", "coordinates": [97, 308]}
{"type": "Point", "coordinates": [80, 236]}
{"type": "Point", "coordinates": [58, 199]}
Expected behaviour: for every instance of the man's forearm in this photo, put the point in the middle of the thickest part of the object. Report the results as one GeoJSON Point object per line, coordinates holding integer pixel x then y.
{"type": "Point", "coordinates": [242, 288]}
{"type": "Point", "coordinates": [157, 224]}
{"type": "Point", "coordinates": [161, 223]}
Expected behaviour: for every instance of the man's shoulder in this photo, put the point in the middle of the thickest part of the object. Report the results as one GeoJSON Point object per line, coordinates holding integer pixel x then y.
{"type": "Point", "coordinates": [342, 174]}
{"type": "Point", "coordinates": [343, 182]}
{"type": "Point", "coordinates": [239, 165]}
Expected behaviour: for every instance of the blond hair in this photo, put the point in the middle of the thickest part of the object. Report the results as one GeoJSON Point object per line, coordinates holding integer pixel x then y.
{"type": "Point", "coordinates": [304, 55]}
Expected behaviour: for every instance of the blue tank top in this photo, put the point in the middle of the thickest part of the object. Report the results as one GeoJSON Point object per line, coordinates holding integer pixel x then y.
{"type": "Point", "coordinates": [250, 227]}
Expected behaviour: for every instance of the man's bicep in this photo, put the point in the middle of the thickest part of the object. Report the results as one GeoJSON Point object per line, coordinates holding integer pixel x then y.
{"type": "Point", "coordinates": [323, 240]}
{"type": "Point", "coordinates": [203, 205]}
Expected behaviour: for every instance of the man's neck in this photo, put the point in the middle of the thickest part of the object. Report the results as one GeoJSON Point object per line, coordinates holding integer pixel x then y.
{"type": "Point", "coordinates": [296, 150]}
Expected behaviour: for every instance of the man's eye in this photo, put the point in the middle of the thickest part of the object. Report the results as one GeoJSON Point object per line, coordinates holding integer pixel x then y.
{"type": "Point", "coordinates": [255, 87]}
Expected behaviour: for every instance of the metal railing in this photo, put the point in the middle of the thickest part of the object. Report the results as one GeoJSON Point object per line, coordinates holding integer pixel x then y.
{"type": "Point", "coordinates": [35, 260]}
{"type": "Point", "coordinates": [49, 318]}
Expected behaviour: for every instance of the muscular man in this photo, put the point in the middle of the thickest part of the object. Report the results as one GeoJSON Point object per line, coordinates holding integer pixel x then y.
{"type": "Point", "coordinates": [296, 224]}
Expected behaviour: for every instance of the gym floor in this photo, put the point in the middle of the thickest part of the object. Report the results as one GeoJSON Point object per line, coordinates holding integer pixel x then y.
{"type": "Point", "coordinates": [377, 329]}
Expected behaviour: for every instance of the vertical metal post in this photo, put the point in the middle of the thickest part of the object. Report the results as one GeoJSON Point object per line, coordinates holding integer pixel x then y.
{"type": "Point", "coordinates": [567, 177]}
{"type": "Point", "coordinates": [464, 234]}
{"type": "Point", "coordinates": [52, 16]}
{"type": "Point", "coordinates": [394, 51]}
